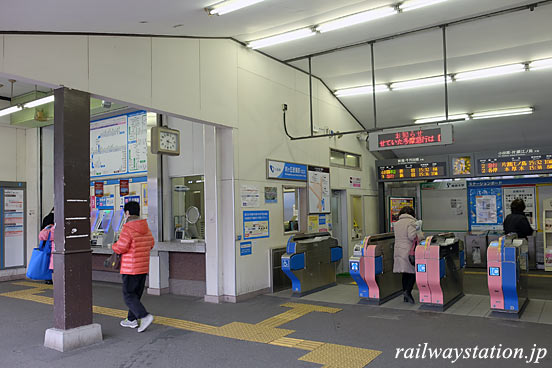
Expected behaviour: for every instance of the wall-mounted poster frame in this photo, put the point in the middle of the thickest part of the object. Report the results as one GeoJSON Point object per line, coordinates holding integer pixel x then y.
{"type": "Point", "coordinates": [395, 206]}
{"type": "Point", "coordinates": [319, 190]}
{"type": "Point", "coordinates": [13, 225]}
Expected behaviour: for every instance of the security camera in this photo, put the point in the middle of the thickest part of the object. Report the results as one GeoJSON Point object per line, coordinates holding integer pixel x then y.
{"type": "Point", "coordinates": [284, 107]}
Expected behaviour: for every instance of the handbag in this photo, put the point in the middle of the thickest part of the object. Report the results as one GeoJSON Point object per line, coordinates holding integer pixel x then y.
{"type": "Point", "coordinates": [39, 265]}
{"type": "Point", "coordinates": [113, 262]}
{"type": "Point", "coordinates": [412, 253]}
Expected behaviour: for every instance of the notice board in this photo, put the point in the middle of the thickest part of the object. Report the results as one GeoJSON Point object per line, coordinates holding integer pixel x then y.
{"type": "Point", "coordinates": [12, 225]}
{"type": "Point", "coordinates": [118, 145]}
{"type": "Point", "coordinates": [319, 189]}
{"type": "Point", "coordinates": [444, 209]}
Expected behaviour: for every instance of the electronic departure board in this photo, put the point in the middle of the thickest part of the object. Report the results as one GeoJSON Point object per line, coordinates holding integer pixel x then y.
{"type": "Point", "coordinates": [391, 139]}
{"type": "Point", "coordinates": [515, 164]}
{"type": "Point", "coordinates": [413, 171]}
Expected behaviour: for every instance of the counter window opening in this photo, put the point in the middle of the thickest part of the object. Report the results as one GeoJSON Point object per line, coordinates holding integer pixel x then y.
{"type": "Point", "coordinates": [357, 217]}
{"type": "Point", "coordinates": [344, 159]}
{"type": "Point", "coordinates": [188, 207]}
{"type": "Point", "coordinates": [294, 209]}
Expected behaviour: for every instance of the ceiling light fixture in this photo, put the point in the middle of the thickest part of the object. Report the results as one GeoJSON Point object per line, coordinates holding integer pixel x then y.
{"type": "Point", "coordinates": [540, 64]}
{"type": "Point", "coordinates": [502, 113]}
{"type": "Point", "coordinates": [442, 119]}
{"type": "Point", "coordinates": [351, 20]}
{"type": "Point", "coordinates": [364, 90]}
{"type": "Point", "coordinates": [40, 101]}
{"type": "Point", "coordinates": [490, 72]}
{"type": "Point", "coordinates": [226, 7]}
{"type": "Point", "coordinates": [281, 38]}
{"type": "Point", "coordinates": [417, 4]}
{"type": "Point", "coordinates": [423, 82]}
{"type": "Point", "coordinates": [10, 110]}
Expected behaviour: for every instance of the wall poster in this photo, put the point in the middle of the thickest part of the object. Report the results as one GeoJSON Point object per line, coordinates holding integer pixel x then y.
{"type": "Point", "coordinates": [319, 189]}
{"type": "Point", "coordinates": [250, 196]}
{"type": "Point", "coordinates": [485, 208]}
{"type": "Point", "coordinates": [256, 224]}
{"type": "Point", "coordinates": [526, 193]}
{"type": "Point", "coordinates": [271, 194]}
{"type": "Point", "coordinates": [395, 206]}
{"type": "Point", "coordinates": [12, 232]}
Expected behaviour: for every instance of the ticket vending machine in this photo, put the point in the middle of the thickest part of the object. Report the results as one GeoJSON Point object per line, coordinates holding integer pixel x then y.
{"type": "Point", "coordinates": [93, 219]}
{"type": "Point", "coordinates": [371, 266]}
{"type": "Point", "coordinates": [440, 263]}
{"type": "Point", "coordinates": [507, 265]}
{"type": "Point", "coordinates": [117, 223]}
{"type": "Point", "coordinates": [103, 234]}
{"type": "Point", "coordinates": [311, 262]}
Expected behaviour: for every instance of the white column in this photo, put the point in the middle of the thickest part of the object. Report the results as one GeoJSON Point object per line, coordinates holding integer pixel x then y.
{"type": "Point", "coordinates": [220, 259]}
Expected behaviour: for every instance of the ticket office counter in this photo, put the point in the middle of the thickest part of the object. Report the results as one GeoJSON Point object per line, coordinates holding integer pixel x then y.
{"type": "Point", "coordinates": [175, 267]}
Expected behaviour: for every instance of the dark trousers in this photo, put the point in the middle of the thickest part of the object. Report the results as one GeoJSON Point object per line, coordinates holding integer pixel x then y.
{"type": "Point", "coordinates": [133, 288]}
{"type": "Point", "coordinates": [408, 281]}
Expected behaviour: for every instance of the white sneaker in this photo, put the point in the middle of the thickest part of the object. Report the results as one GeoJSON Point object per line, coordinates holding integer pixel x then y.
{"type": "Point", "coordinates": [126, 323]}
{"type": "Point", "coordinates": [145, 322]}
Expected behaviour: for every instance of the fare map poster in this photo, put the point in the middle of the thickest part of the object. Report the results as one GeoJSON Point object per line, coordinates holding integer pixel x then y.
{"type": "Point", "coordinates": [118, 145]}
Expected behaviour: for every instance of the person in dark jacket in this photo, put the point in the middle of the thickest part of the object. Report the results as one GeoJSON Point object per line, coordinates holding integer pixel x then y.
{"type": "Point", "coordinates": [517, 222]}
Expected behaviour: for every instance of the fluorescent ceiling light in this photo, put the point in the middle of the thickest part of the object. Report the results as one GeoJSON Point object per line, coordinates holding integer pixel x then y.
{"type": "Point", "coordinates": [439, 119]}
{"type": "Point", "coordinates": [281, 38]}
{"type": "Point", "coordinates": [490, 72]}
{"type": "Point", "coordinates": [364, 90]}
{"type": "Point", "coordinates": [230, 6]}
{"type": "Point", "coordinates": [40, 101]}
{"type": "Point", "coordinates": [10, 110]}
{"type": "Point", "coordinates": [415, 83]}
{"type": "Point", "coordinates": [540, 64]}
{"type": "Point", "coordinates": [357, 18]}
{"type": "Point", "coordinates": [417, 4]}
{"type": "Point", "coordinates": [502, 113]}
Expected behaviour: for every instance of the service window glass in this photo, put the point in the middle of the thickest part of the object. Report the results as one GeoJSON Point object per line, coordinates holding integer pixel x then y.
{"type": "Point", "coordinates": [291, 209]}
{"type": "Point", "coordinates": [337, 158]}
{"type": "Point", "coordinates": [352, 160]}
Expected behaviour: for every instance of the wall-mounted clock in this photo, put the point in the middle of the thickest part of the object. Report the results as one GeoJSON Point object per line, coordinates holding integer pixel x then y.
{"type": "Point", "coordinates": [165, 141]}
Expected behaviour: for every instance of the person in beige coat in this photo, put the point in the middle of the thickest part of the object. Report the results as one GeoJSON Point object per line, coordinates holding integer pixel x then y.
{"type": "Point", "coordinates": [405, 235]}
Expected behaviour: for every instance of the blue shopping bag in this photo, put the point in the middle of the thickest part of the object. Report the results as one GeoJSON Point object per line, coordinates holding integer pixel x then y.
{"type": "Point", "coordinates": [39, 265]}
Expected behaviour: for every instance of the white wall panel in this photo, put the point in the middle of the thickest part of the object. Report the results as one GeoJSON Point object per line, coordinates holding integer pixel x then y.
{"type": "Point", "coordinates": [175, 76]}
{"type": "Point", "coordinates": [120, 68]}
{"type": "Point", "coordinates": [21, 155]}
{"type": "Point", "coordinates": [270, 69]}
{"type": "Point", "coordinates": [219, 81]}
{"type": "Point", "coordinates": [190, 161]}
{"type": "Point", "coordinates": [8, 154]}
{"type": "Point", "coordinates": [59, 60]}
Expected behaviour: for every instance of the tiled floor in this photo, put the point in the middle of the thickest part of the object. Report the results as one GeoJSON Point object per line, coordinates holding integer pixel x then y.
{"type": "Point", "coordinates": [538, 310]}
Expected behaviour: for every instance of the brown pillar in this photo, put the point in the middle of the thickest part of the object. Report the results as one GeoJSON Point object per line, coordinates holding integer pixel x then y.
{"type": "Point", "coordinates": [73, 256]}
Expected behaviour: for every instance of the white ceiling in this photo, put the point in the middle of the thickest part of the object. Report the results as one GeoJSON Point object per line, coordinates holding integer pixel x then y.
{"type": "Point", "coordinates": [515, 37]}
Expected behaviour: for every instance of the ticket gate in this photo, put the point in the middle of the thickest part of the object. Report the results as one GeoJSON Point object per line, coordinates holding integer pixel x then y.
{"type": "Point", "coordinates": [440, 262]}
{"type": "Point", "coordinates": [507, 265]}
{"type": "Point", "coordinates": [371, 266]}
{"type": "Point", "coordinates": [311, 262]}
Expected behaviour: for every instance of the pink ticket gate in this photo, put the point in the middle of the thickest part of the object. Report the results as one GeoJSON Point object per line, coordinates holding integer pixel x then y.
{"type": "Point", "coordinates": [372, 268]}
{"type": "Point", "coordinates": [439, 271]}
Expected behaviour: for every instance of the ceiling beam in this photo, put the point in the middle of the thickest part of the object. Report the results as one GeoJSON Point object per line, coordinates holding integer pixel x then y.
{"type": "Point", "coordinates": [531, 7]}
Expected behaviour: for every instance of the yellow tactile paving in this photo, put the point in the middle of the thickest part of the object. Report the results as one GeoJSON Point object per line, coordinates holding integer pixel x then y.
{"type": "Point", "coordinates": [339, 356]}
{"type": "Point", "coordinates": [249, 332]}
{"type": "Point", "coordinates": [297, 310]}
{"type": "Point", "coordinates": [328, 355]}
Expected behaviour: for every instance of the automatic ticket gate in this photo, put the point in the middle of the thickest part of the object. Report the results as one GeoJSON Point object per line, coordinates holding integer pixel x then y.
{"type": "Point", "coordinates": [439, 271]}
{"type": "Point", "coordinates": [507, 265]}
{"type": "Point", "coordinates": [311, 262]}
{"type": "Point", "coordinates": [371, 266]}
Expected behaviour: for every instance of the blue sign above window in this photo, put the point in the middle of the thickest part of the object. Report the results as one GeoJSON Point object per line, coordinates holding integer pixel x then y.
{"type": "Point", "coordinates": [285, 170]}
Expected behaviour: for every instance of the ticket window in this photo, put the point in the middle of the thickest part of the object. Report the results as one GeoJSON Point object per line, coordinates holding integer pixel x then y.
{"type": "Point", "coordinates": [357, 217]}
{"type": "Point", "coordinates": [188, 192]}
{"type": "Point", "coordinates": [295, 209]}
